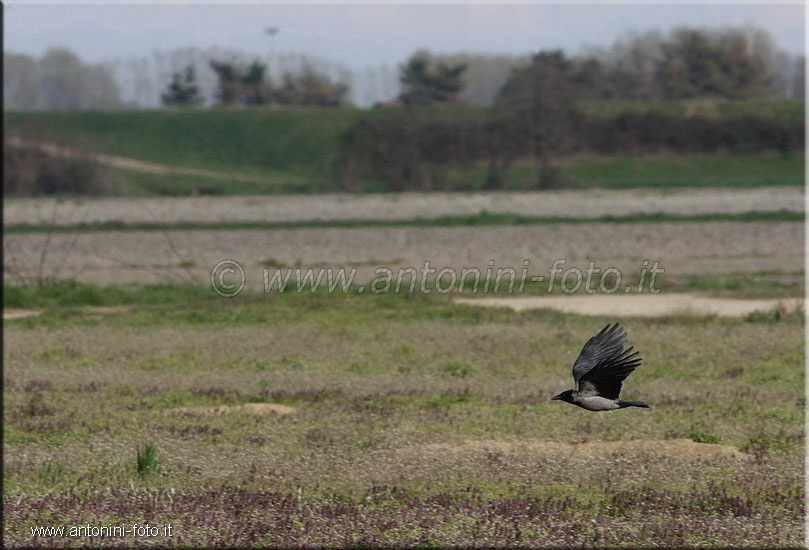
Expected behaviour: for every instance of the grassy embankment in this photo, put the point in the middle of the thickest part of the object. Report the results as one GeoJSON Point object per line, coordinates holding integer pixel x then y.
{"type": "Point", "coordinates": [295, 150]}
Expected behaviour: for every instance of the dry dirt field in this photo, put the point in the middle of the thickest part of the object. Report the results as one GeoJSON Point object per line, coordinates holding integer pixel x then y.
{"type": "Point", "coordinates": [405, 206]}
{"type": "Point", "coordinates": [183, 256]}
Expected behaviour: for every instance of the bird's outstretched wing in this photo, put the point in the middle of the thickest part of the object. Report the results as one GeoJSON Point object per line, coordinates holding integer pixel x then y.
{"type": "Point", "coordinates": [603, 363]}
{"type": "Point", "coordinates": [604, 345]}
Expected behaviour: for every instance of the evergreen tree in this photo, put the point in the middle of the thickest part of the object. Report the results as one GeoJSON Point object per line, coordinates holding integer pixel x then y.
{"type": "Point", "coordinates": [424, 85]}
{"type": "Point", "coordinates": [183, 90]}
{"type": "Point", "coordinates": [241, 85]}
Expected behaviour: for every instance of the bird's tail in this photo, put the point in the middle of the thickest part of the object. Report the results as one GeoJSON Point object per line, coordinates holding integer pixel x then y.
{"type": "Point", "coordinates": [641, 404]}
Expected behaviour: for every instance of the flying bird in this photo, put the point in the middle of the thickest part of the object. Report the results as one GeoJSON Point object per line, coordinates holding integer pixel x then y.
{"type": "Point", "coordinates": [601, 368]}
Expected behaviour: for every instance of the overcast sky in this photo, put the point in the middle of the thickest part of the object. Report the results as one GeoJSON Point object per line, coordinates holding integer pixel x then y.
{"type": "Point", "coordinates": [369, 34]}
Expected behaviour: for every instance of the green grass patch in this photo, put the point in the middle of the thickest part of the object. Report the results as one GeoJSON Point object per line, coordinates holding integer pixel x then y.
{"type": "Point", "coordinates": [70, 294]}
{"type": "Point", "coordinates": [766, 283]}
{"type": "Point", "coordinates": [298, 141]}
{"type": "Point", "coordinates": [180, 185]}
{"type": "Point", "coordinates": [703, 437]}
{"type": "Point", "coordinates": [146, 460]}
{"type": "Point", "coordinates": [480, 219]}
{"type": "Point", "coordinates": [751, 170]}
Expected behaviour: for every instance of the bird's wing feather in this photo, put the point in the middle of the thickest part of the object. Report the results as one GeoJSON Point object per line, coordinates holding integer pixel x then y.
{"type": "Point", "coordinates": [606, 379]}
{"type": "Point", "coordinates": [603, 363]}
{"type": "Point", "coordinates": [604, 345]}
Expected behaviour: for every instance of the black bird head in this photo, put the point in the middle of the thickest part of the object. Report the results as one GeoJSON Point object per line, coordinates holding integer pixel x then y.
{"type": "Point", "coordinates": [566, 395]}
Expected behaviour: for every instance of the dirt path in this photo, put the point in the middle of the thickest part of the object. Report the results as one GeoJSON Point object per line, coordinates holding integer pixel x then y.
{"type": "Point", "coordinates": [127, 163]}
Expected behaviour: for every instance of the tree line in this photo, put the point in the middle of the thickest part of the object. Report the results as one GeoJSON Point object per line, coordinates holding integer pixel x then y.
{"type": "Point", "coordinates": [60, 80]}
{"type": "Point", "coordinates": [687, 62]}
{"type": "Point", "coordinates": [240, 85]}
{"type": "Point", "coordinates": [535, 115]}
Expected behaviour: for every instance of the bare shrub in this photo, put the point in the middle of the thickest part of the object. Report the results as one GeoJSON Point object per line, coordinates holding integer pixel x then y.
{"type": "Point", "coordinates": [32, 171]}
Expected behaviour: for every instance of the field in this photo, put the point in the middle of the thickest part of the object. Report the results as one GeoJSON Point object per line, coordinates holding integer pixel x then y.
{"type": "Point", "coordinates": [413, 422]}
{"type": "Point", "coordinates": [355, 418]}
{"type": "Point", "coordinates": [134, 394]}
{"type": "Point", "coordinates": [768, 250]}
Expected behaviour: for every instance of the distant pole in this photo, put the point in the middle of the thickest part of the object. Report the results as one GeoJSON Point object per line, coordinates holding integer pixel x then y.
{"type": "Point", "coordinates": [272, 31]}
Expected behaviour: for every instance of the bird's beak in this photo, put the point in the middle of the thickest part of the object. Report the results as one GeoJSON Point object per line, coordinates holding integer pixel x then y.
{"type": "Point", "coordinates": [556, 398]}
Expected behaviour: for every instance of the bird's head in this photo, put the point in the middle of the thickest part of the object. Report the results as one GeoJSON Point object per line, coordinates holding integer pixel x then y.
{"type": "Point", "coordinates": [566, 395]}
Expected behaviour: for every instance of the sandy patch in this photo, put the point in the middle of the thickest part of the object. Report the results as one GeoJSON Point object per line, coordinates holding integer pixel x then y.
{"type": "Point", "coordinates": [250, 408]}
{"type": "Point", "coordinates": [10, 314]}
{"type": "Point", "coordinates": [684, 449]}
{"type": "Point", "coordinates": [641, 305]}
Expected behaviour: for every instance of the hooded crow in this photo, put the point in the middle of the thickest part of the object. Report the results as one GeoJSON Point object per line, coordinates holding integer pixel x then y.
{"type": "Point", "coordinates": [601, 368]}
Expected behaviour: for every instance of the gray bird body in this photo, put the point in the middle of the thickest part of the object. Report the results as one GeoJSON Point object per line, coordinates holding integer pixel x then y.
{"type": "Point", "coordinates": [600, 370]}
